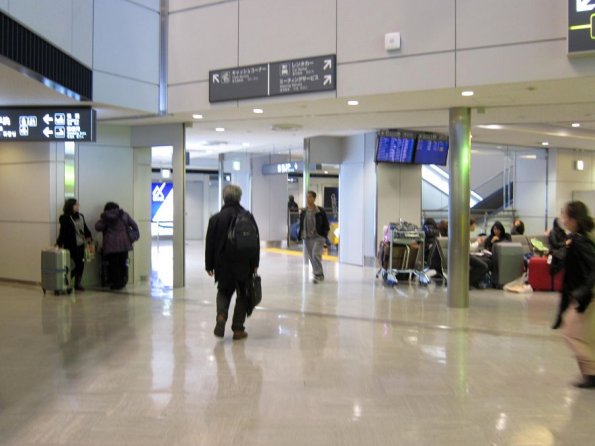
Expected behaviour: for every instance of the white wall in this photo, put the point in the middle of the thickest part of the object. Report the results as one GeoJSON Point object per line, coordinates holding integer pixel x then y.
{"type": "Point", "coordinates": [269, 199]}
{"type": "Point", "coordinates": [530, 193]}
{"type": "Point", "coordinates": [399, 194]}
{"type": "Point", "coordinates": [126, 54]}
{"type": "Point", "coordinates": [445, 43]}
{"type": "Point", "coordinates": [67, 24]}
{"type": "Point", "coordinates": [142, 213]}
{"type": "Point", "coordinates": [118, 39]}
{"type": "Point", "coordinates": [32, 181]}
{"type": "Point", "coordinates": [564, 179]}
{"type": "Point", "coordinates": [105, 172]}
{"type": "Point", "coordinates": [351, 218]}
{"type": "Point", "coordinates": [529, 35]}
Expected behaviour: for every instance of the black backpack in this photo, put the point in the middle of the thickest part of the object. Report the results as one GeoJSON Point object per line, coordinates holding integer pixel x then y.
{"type": "Point", "coordinates": [243, 242]}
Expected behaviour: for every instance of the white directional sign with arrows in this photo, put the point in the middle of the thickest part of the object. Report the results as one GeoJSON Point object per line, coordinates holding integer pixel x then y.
{"type": "Point", "coordinates": [297, 76]}
{"type": "Point", "coordinates": [47, 124]}
{"type": "Point", "coordinates": [584, 6]}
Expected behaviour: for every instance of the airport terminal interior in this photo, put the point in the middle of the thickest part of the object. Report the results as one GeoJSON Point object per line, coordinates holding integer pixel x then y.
{"type": "Point", "coordinates": [396, 114]}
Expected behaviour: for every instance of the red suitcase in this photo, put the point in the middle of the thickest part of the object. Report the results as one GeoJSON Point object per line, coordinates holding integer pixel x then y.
{"type": "Point", "coordinates": [540, 277]}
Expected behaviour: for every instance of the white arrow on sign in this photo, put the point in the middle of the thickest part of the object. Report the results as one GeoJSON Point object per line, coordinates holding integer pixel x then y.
{"type": "Point", "coordinates": [584, 6]}
{"type": "Point", "coordinates": [47, 119]}
{"type": "Point", "coordinates": [328, 79]}
{"type": "Point", "coordinates": [216, 78]}
{"type": "Point", "coordinates": [328, 64]}
{"type": "Point", "coordinates": [47, 132]}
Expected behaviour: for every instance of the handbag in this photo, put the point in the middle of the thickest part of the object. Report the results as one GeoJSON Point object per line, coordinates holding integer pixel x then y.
{"type": "Point", "coordinates": [90, 251]}
{"type": "Point", "coordinates": [253, 293]}
{"type": "Point", "coordinates": [133, 234]}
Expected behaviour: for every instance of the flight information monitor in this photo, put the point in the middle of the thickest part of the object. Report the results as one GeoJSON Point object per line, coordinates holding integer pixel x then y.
{"type": "Point", "coordinates": [431, 149]}
{"type": "Point", "coordinates": [398, 147]}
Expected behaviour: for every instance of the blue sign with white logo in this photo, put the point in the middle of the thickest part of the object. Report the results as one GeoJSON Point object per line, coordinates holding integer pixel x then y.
{"type": "Point", "coordinates": [162, 201]}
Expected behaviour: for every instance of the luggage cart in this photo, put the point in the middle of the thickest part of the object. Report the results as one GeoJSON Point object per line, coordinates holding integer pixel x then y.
{"type": "Point", "coordinates": [403, 237]}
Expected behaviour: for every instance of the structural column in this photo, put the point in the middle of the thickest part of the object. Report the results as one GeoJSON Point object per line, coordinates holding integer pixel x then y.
{"type": "Point", "coordinates": [221, 170]}
{"type": "Point", "coordinates": [306, 185]}
{"type": "Point", "coordinates": [458, 207]}
{"type": "Point", "coordinates": [179, 180]}
{"type": "Point", "coordinates": [306, 176]}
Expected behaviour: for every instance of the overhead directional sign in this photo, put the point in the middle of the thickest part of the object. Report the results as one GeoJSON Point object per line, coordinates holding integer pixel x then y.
{"type": "Point", "coordinates": [288, 167]}
{"type": "Point", "coordinates": [239, 83]}
{"type": "Point", "coordinates": [47, 124]}
{"type": "Point", "coordinates": [581, 26]}
{"type": "Point", "coordinates": [296, 76]}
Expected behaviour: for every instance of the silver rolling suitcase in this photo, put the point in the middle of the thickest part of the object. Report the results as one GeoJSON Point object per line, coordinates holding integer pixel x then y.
{"type": "Point", "coordinates": [55, 271]}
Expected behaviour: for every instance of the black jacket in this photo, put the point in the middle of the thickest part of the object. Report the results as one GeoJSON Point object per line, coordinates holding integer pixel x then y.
{"type": "Point", "coordinates": [67, 235]}
{"type": "Point", "coordinates": [504, 237]}
{"type": "Point", "coordinates": [579, 277]}
{"type": "Point", "coordinates": [322, 224]}
{"type": "Point", "coordinates": [227, 271]}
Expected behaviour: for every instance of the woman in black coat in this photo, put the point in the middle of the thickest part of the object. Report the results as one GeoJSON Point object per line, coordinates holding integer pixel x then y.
{"type": "Point", "coordinates": [74, 235]}
{"type": "Point", "coordinates": [497, 234]}
{"type": "Point", "coordinates": [578, 323]}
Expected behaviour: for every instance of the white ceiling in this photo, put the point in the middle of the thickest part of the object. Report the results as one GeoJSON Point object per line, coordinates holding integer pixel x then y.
{"type": "Point", "coordinates": [528, 114]}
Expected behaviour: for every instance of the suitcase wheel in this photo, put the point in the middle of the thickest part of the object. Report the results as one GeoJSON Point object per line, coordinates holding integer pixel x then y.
{"type": "Point", "coordinates": [69, 290]}
{"type": "Point", "coordinates": [56, 293]}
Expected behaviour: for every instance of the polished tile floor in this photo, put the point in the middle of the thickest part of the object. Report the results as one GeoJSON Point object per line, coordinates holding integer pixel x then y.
{"type": "Point", "coordinates": [345, 362]}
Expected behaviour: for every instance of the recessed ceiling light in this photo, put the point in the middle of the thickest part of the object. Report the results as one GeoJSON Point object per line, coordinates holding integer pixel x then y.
{"type": "Point", "coordinates": [490, 126]}
{"type": "Point", "coordinates": [545, 143]}
{"type": "Point", "coordinates": [219, 129]}
{"type": "Point", "coordinates": [197, 116]}
{"type": "Point", "coordinates": [576, 124]}
{"type": "Point", "coordinates": [326, 172]}
{"type": "Point", "coordinates": [467, 93]}
{"type": "Point", "coordinates": [258, 111]}
{"type": "Point", "coordinates": [245, 144]}
{"type": "Point", "coordinates": [352, 102]}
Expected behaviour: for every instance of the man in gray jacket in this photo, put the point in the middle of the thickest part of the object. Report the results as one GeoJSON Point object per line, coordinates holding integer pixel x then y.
{"type": "Point", "coordinates": [314, 228]}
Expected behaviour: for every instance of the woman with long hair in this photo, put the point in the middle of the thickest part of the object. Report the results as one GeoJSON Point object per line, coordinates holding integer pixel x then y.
{"type": "Point", "coordinates": [74, 234]}
{"type": "Point", "coordinates": [497, 234]}
{"type": "Point", "coordinates": [578, 322]}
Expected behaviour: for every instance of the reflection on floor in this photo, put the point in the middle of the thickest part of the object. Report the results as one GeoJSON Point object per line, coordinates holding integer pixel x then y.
{"type": "Point", "coordinates": [344, 362]}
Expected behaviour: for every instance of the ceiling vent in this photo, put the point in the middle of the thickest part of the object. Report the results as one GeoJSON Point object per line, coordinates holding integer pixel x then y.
{"type": "Point", "coordinates": [286, 127]}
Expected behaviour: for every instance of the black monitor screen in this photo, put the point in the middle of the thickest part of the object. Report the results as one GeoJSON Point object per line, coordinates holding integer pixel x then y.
{"type": "Point", "coordinates": [396, 148]}
{"type": "Point", "coordinates": [431, 149]}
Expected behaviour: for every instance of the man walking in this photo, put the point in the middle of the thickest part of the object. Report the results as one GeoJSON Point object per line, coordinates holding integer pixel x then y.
{"type": "Point", "coordinates": [232, 255]}
{"type": "Point", "coordinates": [314, 227]}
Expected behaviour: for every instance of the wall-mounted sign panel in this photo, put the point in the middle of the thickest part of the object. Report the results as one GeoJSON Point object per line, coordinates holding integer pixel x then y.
{"type": "Point", "coordinates": [296, 76]}
{"type": "Point", "coordinates": [47, 124]}
{"type": "Point", "coordinates": [303, 75]}
{"type": "Point", "coordinates": [239, 83]}
{"type": "Point", "coordinates": [288, 167]}
{"type": "Point", "coordinates": [581, 26]}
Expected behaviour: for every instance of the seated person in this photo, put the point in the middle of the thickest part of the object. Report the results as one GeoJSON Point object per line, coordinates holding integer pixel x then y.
{"type": "Point", "coordinates": [431, 232]}
{"type": "Point", "coordinates": [443, 228]}
{"type": "Point", "coordinates": [478, 265]}
{"type": "Point", "coordinates": [518, 227]}
{"type": "Point", "coordinates": [497, 234]}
